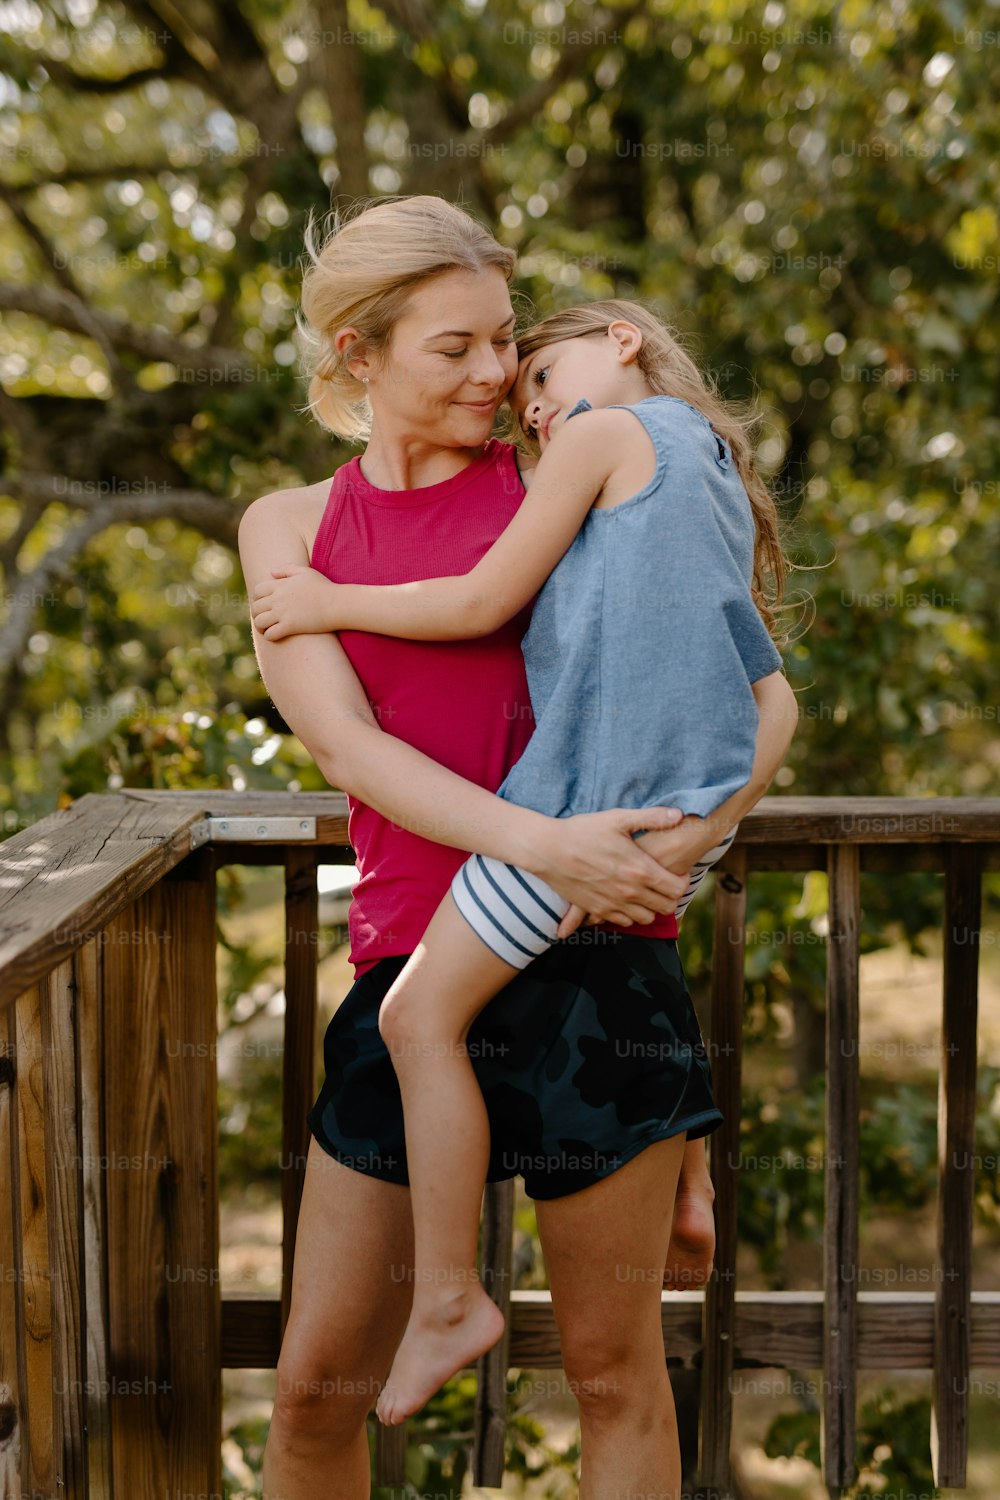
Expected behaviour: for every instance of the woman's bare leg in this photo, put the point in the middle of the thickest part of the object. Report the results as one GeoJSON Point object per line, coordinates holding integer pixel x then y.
{"type": "Point", "coordinates": [350, 1300]}
{"type": "Point", "coordinates": [605, 1248]}
{"type": "Point", "coordinates": [424, 1020]}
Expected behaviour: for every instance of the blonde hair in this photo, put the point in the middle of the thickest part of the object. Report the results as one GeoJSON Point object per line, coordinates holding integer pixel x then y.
{"type": "Point", "coordinates": [670, 371]}
{"type": "Point", "coordinates": [363, 274]}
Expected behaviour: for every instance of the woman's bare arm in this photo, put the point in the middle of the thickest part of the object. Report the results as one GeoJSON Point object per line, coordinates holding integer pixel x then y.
{"type": "Point", "coordinates": [317, 692]}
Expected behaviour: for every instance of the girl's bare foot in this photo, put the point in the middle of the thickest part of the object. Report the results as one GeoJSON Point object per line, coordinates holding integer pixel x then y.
{"type": "Point", "coordinates": [692, 1236]}
{"type": "Point", "coordinates": [436, 1345]}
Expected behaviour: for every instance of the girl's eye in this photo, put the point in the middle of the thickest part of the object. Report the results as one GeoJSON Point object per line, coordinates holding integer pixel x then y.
{"type": "Point", "coordinates": [539, 376]}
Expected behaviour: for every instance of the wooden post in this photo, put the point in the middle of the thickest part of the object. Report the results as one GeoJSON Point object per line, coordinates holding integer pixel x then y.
{"type": "Point", "coordinates": [90, 1045]}
{"type": "Point", "coordinates": [490, 1448]}
{"type": "Point", "coordinates": [161, 1182]}
{"type": "Point", "coordinates": [390, 1454]}
{"type": "Point", "coordinates": [60, 1043]}
{"type": "Point", "coordinates": [956, 1147]}
{"type": "Point", "coordinates": [40, 1412]}
{"type": "Point", "coordinates": [301, 954]}
{"type": "Point", "coordinates": [12, 1479]}
{"type": "Point", "coordinates": [726, 1043]}
{"type": "Point", "coordinates": [840, 1328]}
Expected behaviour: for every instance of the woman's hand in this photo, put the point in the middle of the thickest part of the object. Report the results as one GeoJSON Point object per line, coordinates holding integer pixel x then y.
{"type": "Point", "coordinates": [593, 861]}
{"type": "Point", "coordinates": [675, 848]}
{"type": "Point", "coordinates": [299, 602]}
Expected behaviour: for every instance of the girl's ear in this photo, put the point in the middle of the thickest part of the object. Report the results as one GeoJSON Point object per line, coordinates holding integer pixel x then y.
{"type": "Point", "coordinates": [628, 339]}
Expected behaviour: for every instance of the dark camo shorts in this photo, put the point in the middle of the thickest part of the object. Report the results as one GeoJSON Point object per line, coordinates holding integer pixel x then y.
{"type": "Point", "coordinates": [586, 1057]}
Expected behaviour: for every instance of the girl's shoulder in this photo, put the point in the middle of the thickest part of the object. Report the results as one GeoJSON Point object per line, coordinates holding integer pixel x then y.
{"type": "Point", "coordinates": [658, 414]}
{"type": "Point", "coordinates": [672, 420]}
{"type": "Point", "coordinates": [672, 411]}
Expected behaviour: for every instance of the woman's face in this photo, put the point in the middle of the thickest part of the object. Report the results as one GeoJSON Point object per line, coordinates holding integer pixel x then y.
{"type": "Point", "coordinates": [450, 362]}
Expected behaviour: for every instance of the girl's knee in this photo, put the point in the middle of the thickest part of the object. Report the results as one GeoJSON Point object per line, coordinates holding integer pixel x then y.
{"type": "Point", "coordinates": [414, 1026]}
{"type": "Point", "coordinates": [399, 1023]}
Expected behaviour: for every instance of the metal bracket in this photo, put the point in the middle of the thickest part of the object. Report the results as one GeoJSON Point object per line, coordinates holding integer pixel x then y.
{"type": "Point", "coordinates": [253, 831]}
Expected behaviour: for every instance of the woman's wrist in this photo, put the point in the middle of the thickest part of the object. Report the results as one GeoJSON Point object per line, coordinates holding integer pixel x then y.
{"type": "Point", "coordinates": [532, 839]}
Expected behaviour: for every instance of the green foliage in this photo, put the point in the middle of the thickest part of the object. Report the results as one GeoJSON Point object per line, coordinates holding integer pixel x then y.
{"type": "Point", "coordinates": [439, 1453]}
{"type": "Point", "coordinates": [809, 195]}
{"type": "Point", "coordinates": [893, 1449]}
{"type": "Point", "coordinates": [987, 1152]}
{"type": "Point", "coordinates": [250, 1125]}
{"type": "Point", "coordinates": [899, 1148]}
{"type": "Point", "coordinates": [249, 1437]}
{"type": "Point", "coordinates": [780, 1163]}
{"type": "Point", "coordinates": [782, 1157]}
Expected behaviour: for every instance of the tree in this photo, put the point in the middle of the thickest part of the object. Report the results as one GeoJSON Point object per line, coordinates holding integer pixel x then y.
{"type": "Point", "coordinates": [808, 195]}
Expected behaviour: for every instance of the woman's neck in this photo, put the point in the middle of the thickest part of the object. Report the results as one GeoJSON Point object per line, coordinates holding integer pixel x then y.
{"type": "Point", "coordinates": [412, 464]}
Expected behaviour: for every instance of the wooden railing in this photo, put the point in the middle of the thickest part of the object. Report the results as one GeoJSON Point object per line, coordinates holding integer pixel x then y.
{"type": "Point", "coordinates": [110, 1366]}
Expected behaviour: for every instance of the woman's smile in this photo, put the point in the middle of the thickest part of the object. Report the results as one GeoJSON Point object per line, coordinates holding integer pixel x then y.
{"type": "Point", "coordinates": [480, 406]}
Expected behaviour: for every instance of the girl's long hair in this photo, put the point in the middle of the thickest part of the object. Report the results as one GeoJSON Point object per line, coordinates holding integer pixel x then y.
{"type": "Point", "coordinates": [670, 371]}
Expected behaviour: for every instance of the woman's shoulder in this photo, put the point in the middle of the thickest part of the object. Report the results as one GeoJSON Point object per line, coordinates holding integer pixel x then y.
{"type": "Point", "coordinates": [295, 511]}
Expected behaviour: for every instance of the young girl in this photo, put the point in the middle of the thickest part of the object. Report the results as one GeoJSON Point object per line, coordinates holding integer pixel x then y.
{"type": "Point", "coordinates": [656, 536]}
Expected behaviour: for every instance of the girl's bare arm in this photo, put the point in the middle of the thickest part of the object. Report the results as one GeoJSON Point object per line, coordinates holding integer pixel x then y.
{"type": "Point", "coordinates": [570, 476]}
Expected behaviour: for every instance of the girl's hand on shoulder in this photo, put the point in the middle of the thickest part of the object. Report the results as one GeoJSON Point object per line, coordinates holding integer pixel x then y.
{"type": "Point", "coordinates": [527, 463]}
{"type": "Point", "coordinates": [298, 600]}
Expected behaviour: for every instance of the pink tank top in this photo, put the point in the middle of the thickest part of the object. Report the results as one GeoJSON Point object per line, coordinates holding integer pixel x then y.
{"type": "Point", "coordinates": [463, 703]}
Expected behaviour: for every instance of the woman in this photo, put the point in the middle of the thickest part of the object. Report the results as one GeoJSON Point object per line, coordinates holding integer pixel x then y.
{"type": "Point", "coordinates": [411, 308]}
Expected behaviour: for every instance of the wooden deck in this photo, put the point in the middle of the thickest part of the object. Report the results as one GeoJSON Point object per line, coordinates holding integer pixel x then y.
{"type": "Point", "coordinates": [110, 1362]}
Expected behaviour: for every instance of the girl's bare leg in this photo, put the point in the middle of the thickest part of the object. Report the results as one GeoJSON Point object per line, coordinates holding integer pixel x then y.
{"type": "Point", "coordinates": [424, 1020]}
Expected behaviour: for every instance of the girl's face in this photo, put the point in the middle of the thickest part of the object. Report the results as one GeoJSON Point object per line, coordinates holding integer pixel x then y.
{"type": "Point", "coordinates": [598, 367]}
{"type": "Point", "coordinates": [450, 362]}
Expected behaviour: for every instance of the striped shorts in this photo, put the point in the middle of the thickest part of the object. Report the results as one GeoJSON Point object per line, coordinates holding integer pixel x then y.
{"type": "Point", "coordinates": [516, 914]}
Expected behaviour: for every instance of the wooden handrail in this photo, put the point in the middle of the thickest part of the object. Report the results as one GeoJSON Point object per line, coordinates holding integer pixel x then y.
{"type": "Point", "coordinates": [63, 878]}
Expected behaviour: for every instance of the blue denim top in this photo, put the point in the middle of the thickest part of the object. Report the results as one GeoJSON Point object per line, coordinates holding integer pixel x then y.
{"type": "Point", "coordinates": [645, 639]}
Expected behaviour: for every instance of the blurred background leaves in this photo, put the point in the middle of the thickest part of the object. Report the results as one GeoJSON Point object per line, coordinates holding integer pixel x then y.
{"type": "Point", "coordinates": [808, 193]}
